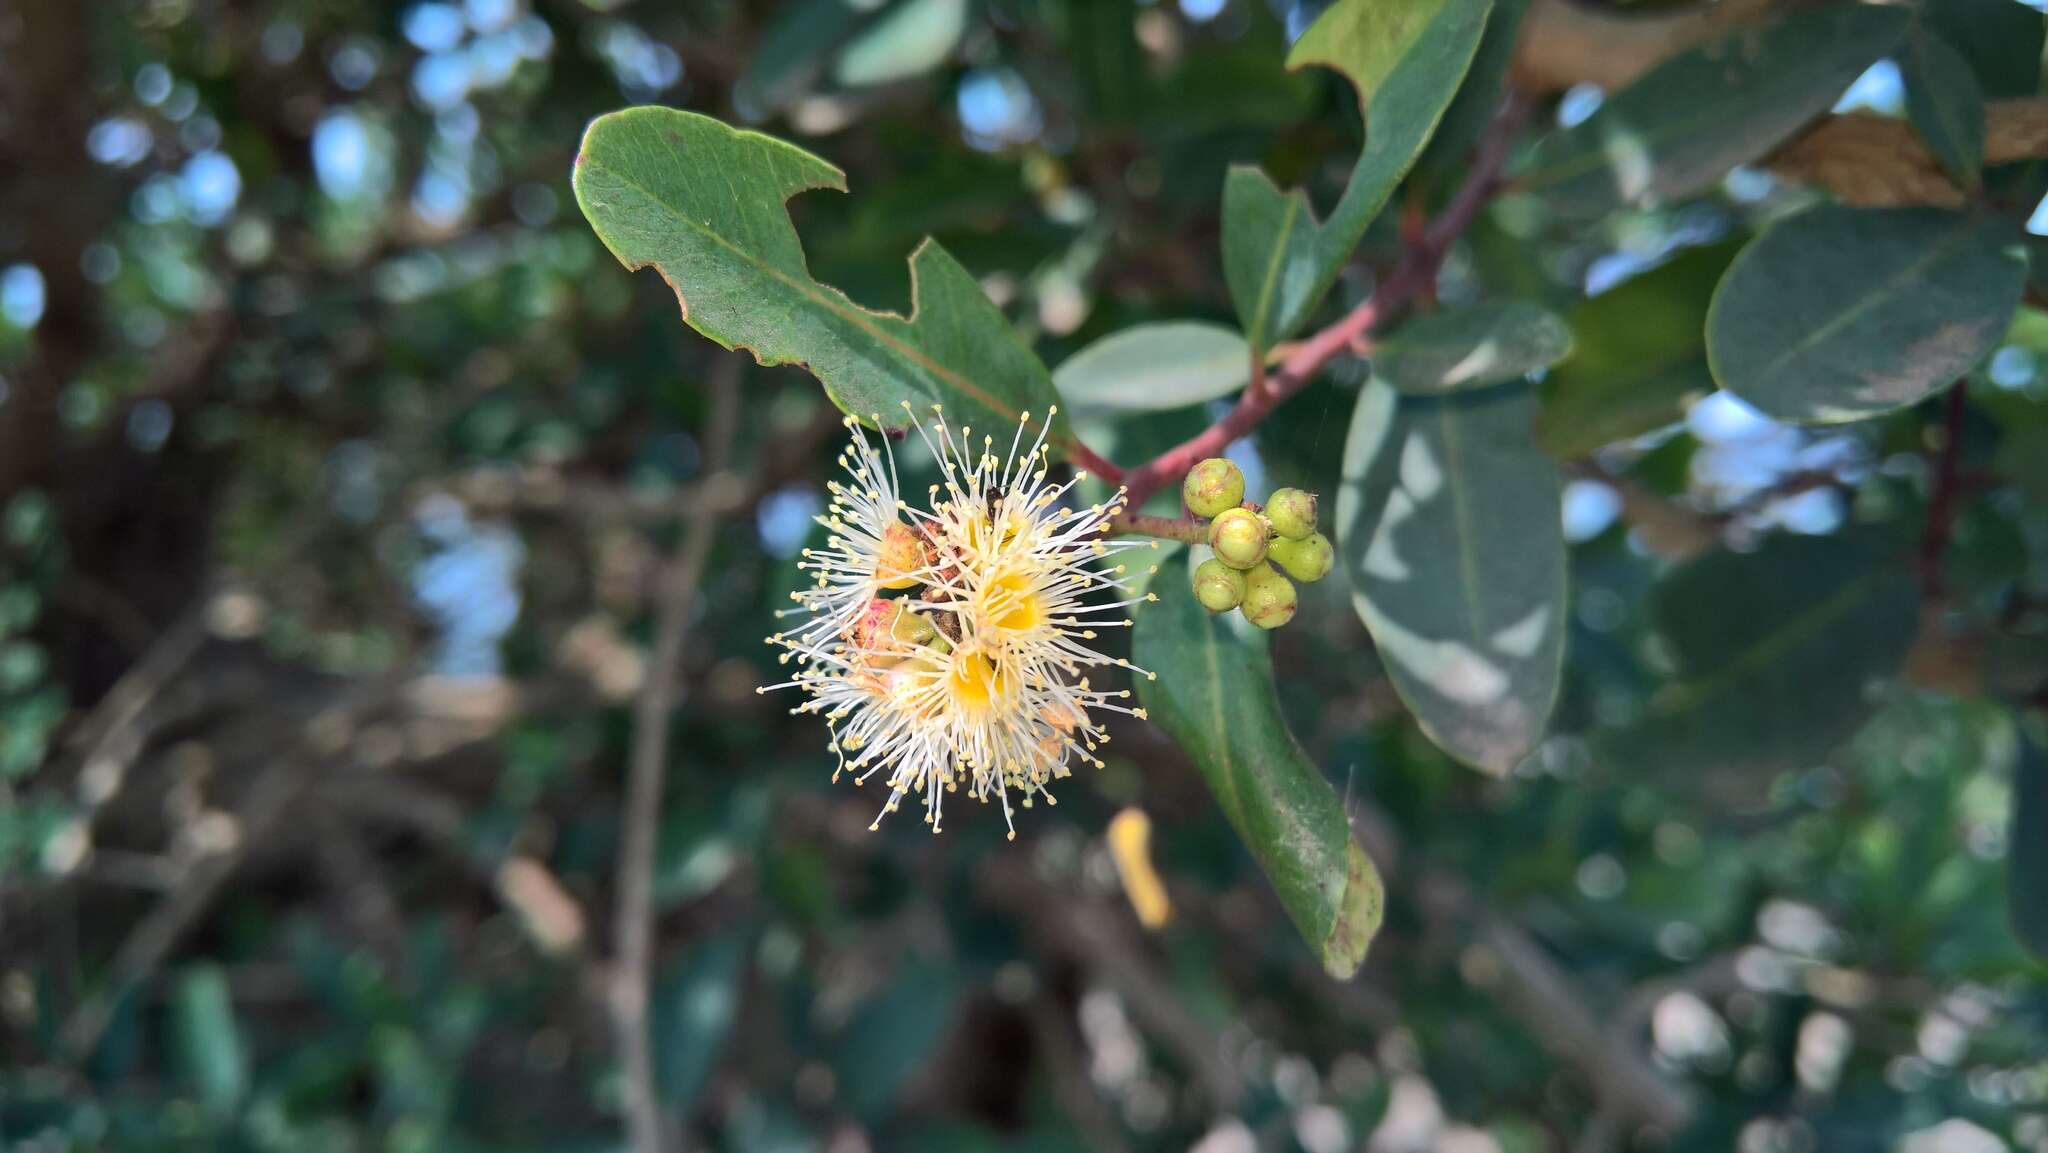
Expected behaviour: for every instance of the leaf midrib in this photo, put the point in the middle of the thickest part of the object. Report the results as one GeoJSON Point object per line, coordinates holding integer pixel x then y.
{"type": "Point", "coordinates": [1870, 300]}
{"type": "Point", "coordinates": [814, 292]}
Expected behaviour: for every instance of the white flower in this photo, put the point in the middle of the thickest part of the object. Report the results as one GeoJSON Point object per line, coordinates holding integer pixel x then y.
{"type": "Point", "coordinates": [980, 672]}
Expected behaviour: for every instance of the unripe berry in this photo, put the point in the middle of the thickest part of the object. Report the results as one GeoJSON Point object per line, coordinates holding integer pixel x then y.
{"type": "Point", "coordinates": [1268, 598]}
{"type": "Point", "coordinates": [1304, 560]}
{"type": "Point", "coordinates": [1292, 512]}
{"type": "Point", "coordinates": [1212, 486]}
{"type": "Point", "coordinates": [1239, 537]}
{"type": "Point", "coordinates": [1218, 586]}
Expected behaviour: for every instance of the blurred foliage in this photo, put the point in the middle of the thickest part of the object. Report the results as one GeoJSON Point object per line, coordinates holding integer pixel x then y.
{"type": "Point", "coordinates": [337, 458]}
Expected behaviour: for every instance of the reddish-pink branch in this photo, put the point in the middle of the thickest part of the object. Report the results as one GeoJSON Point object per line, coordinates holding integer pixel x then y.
{"type": "Point", "coordinates": [1415, 276]}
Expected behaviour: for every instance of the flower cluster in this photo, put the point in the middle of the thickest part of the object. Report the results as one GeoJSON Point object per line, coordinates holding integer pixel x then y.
{"type": "Point", "coordinates": [954, 644]}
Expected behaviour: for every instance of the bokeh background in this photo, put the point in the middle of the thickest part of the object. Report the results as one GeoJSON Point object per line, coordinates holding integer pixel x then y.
{"type": "Point", "coordinates": [340, 465]}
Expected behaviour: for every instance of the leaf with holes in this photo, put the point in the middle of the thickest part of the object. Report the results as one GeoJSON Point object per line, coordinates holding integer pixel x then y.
{"type": "Point", "coordinates": [1406, 58]}
{"type": "Point", "coordinates": [1214, 695]}
{"type": "Point", "coordinates": [1684, 124]}
{"type": "Point", "coordinates": [1150, 367]}
{"type": "Point", "coordinates": [1946, 104]}
{"type": "Point", "coordinates": [1840, 314]}
{"type": "Point", "coordinates": [1774, 651]}
{"type": "Point", "coordinates": [704, 204]}
{"type": "Point", "coordinates": [1448, 530]}
{"type": "Point", "coordinates": [1489, 344]}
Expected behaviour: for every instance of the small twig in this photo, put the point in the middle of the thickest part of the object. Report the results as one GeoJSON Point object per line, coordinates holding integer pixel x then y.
{"type": "Point", "coordinates": [1187, 530]}
{"type": "Point", "coordinates": [1409, 281]}
{"type": "Point", "coordinates": [151, 941]}
{"type": "Point", "coordinates": [647, 1127]}
{"type": "Point", "coordinates": [1941, 497]}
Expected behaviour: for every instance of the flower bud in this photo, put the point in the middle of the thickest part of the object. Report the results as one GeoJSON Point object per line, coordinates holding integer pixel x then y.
{"type": "Point", "coordinates": [1292, 513]}
{"type": "Point", "coordinates": [913, 628]}
{"type": "Point", "coordinates": [1268, 598]}
{"type": "Point", "coordinates": [901, 557]}
{"type": "Point", "coordinates": [1218, 586]}
{"type": "Point", "coordinates": [1212, 486]}
{"type": "Point", "coordinates": [1239, 537]}
{"type": "Point", "coordinates": [1308, 559]}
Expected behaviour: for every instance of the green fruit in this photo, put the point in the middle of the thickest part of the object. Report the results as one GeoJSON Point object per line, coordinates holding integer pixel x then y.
{"type": "Point", "coordinates": [1304, 560]}
{"type": "Point", "coordinates": [1292, 513]}
{"type": "Point", "coordinates": [1239, 537]}
{"type": "Point", "coordinates": [1212, 486]}
{"type": "Point", "coordinates": [1218, 586]}
{"type": "Point", "coordinates": [1268, 598]}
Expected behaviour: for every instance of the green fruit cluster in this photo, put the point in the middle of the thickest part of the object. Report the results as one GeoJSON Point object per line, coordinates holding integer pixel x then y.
{"type": "Point", "coordinates": [1254, 546]}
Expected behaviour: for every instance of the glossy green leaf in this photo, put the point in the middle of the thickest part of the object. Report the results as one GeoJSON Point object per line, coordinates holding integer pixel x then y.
{"type": "Point", "coordinates": [1775, 652]}
{"type": "Point", "coordinates": [209, 1043]}
{"type": "Point", "coordinates": [1489, 344]}
{"type": "Point", "coordinates": [703, 203]}
{"type": "Point", "coordinates": [2027, 888]}
{"type": "Point", "coordinates": [1214, 695]}
{"type": "Point", "coordinates": [1406, 58]}
{"type": "Point", "coordinates": [1150, 367]}
{"type": "Point", "coordinates": [1639, 356]}
{"type": "Point", "coordinates": [1839, 314]}
{"type": "Point", "coordinates": [1448, 531]}
{"type": "Point", "coordinates": [1681, 127]}
{"type": "Point", "coordinates": [1946, 104]}
{"type": "Point", "coordinates": [692, 1011]}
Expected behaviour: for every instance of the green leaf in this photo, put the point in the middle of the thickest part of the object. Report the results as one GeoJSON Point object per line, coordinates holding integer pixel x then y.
{"type": "Point", "coordinates": [1489, 344]}
{"type": "Point", "coordinates": [893, 1035]}
{"type": "Point", "coordinates": [1945, 104]}
{"type": "Point", "coordinates": [2027, 886]}
{"type": "Point", "coordinates": [2001, 40]}
{"type": "Point", "coordinates": [910, 39]}
{"type": "Point", "coordinates": [693, 1008]}
{"type": "Point", "coordinates": [1679, 128]}
{"type": "Point", "coordinates": [208, 1042]}
{"type": "Point", "coordinates": [1639, 356]}
{"type": "Point", "coordinates": [1449, 152]}
{"type": "Point", "coordinates": [1448, 530]}
{"type": "Point", "coordinates": [1839, 314]}
{"type": "Point", "coordinates": [1150, 367]}
{"type": "Point", "coordinates": [1406, 58]}
{"type": "Point", "coordinates": [703, 203]}
{"type": "Point", "coordinates": [1774, 651]}
{"type": "Point", "coordinates": [792, 52]}
{"type": "Point", "coordinates": [1214, 695]}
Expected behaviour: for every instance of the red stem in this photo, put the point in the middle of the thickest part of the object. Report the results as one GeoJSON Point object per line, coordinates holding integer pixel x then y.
{"type": "Point", "coordinates": [1094, 462]}
{"type": "Point", "coordinates": [1415, 274]}
{"type": "Point", "coordinates": [1186, 530]}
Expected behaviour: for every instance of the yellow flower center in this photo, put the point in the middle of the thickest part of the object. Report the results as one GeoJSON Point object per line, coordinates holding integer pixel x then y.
{"type": "Point", "coordinates": [977, 681]}
{"type": "Point", "coordinates": [1009, 603]}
